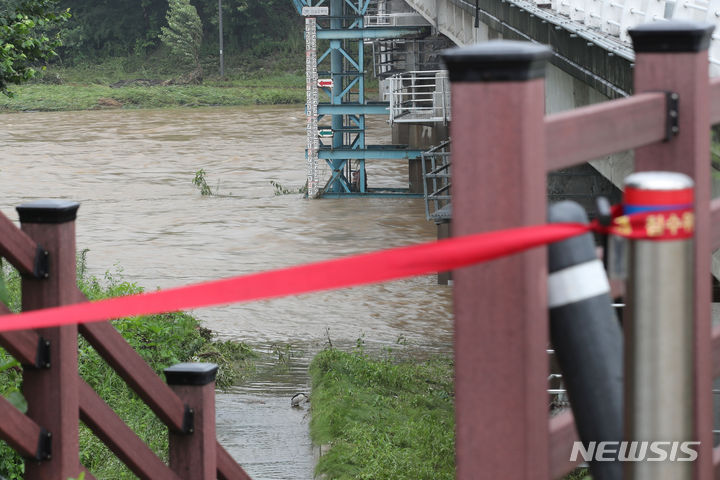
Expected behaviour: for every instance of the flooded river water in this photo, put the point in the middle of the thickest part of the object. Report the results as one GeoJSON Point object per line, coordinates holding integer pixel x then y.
{"type": "Point", "coordinates": [132, 173]}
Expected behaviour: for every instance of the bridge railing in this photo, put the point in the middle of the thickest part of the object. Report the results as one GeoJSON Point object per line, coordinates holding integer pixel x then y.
{"type": "Point", "coordinates": [615, 17]}
{"type": "Point", "coordinates": [43, 251]}
{"type": "Point", "coordinates": [419, 96]}
{"type": "Point", "coordinates": [503, 148]}
{"type": "Point", "coordinates": [395, 20]}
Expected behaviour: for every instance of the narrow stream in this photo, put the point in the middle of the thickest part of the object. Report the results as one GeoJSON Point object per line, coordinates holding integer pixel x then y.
{"type": "Point", "coordinates": [257, 414]}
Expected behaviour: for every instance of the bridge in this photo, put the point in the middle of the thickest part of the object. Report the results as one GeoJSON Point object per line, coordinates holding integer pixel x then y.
{"type": "Point", "coordinates": [508, 135]}
{"type": "Point", "coordinates": [592, 58]}
{"type": "Point", "coordinates": [592, 62]}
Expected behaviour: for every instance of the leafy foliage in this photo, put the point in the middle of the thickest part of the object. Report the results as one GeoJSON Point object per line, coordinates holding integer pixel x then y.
{"type": "Point", "coordinates": [25, 38]}
{"type": "Point", "coordinates": [11, 465]}
{"type": "Point", "coordinates": [280, 189]}
{"type": "Point", "coordinates": [112, 27]}
{"type": "Point", "coordinates": [201, 183]}
{"type": "Point", "coordinates": [162, 340]}
{"type": "Point", "coordinates": [184, 33]}
{"type": "Point", "coordinates": [4, 294]}
{"type": "Point", "coordinates": [121, 27]}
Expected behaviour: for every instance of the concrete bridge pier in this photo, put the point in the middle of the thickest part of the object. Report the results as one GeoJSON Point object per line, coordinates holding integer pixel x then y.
{"type": "Point", "coordinates": [418, 136]}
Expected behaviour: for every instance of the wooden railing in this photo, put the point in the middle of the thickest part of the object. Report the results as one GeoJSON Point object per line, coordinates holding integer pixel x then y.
{"type": "Point", "coordinates": [44, 253]}
{"type": "Point", "coordinates": [503, 146]}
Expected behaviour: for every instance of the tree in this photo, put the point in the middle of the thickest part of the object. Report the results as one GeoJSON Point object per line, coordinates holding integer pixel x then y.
{"type": "Point", "coordinates": [24, 38]}
{"type": "Point", "coordinates": [115, 28]}
{"type": "Point", "coordinates": [183, 35]}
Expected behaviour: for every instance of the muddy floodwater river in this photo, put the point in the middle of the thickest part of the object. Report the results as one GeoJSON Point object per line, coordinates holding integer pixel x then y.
{"type": "Point", "coordinates": [132, 172]}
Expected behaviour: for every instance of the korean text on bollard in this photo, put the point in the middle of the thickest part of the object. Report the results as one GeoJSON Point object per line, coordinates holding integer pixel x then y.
{"type": "Point", "coordinates": [659, 326]}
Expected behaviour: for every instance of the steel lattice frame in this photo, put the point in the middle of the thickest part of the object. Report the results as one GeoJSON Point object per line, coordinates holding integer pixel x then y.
{"type": "Point", "coordinates": [345, 149]}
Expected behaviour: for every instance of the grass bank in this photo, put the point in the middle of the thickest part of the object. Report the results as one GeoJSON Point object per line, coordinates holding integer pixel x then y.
{"type": "Point", "coordinates": [162, 340]}
{"type": "Point", "coordinates": [43, 97]}
{"type": "Point", "coordinates": [137, 82]}
{"type": "Point", "coordinates": [382, 419]}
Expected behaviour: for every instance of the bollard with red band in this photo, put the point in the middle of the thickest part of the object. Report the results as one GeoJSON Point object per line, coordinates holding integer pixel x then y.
{"type": "Point", "coordinates": [659, 322]}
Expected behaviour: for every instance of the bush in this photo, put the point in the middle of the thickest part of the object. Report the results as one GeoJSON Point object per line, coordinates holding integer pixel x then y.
{"type": "Point", "coordinates": [183, 35]}
{"type": "Point", "coordinates": [161, 340]}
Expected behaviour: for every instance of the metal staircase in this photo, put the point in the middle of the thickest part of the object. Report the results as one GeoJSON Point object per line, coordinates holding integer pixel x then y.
{"type": "Point", "coordinates": [437, 182]}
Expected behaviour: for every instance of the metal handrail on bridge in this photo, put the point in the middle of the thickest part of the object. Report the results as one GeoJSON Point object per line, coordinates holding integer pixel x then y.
{"type": "Point", "coordinates": [420, 96]}
{"type": "Point", "coordinates": [403, 19]}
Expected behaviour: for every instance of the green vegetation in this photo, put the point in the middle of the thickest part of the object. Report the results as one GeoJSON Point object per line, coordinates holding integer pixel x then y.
{"type": "Point", "coordinates": [123, 53]}
{"type": "Point", "coordinates": [382, 418]}
{"type": "Point", "coordinates": [25, 38]}
{"type": "Point", "coordinates": [120, 28]}
{"type": "Point", "coordinates": [201, 183]}
{"type": "Point", "coordinates": [183, 35]}
{"type": "Point", "coordinates": [162, 340]}
{"type": "Point", "coordinates": [715, 150]}
{"type": "Point", "coordinates": [85, 97]}
{"type": "Point", "coordinates": [579, 474]}
{"type": "Point", "coordinates": [280, 189]}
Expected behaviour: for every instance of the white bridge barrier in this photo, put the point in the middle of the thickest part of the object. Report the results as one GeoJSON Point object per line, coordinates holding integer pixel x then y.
{"type": "Point", "coordinates": [603, 22]}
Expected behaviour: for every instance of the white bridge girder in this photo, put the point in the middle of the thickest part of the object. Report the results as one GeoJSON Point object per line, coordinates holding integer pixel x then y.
{"type": "Point", "coordinates": [449, 19]}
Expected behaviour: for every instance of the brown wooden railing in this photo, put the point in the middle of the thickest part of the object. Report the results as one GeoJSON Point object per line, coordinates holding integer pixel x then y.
{"type": "Point", "coordinates": [44, 253]}
{"type": "Point", "coordinates": [503, 147]}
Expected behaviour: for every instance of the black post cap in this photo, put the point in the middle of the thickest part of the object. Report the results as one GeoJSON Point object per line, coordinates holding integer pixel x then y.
{"type": "Point", "coordinates": [191, 373]}
{"type": "Point", "coordinates": [674, 36]}
{"type": "Point", "coordinates": [497, 61]}
{"type": "Point", "coordinates": [48, 211]}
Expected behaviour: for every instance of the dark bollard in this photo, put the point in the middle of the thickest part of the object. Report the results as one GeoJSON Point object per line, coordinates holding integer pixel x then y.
{"type": "Point", "coordinates": [586, 337]}
{"type": "Point", "coordinates": [193, 454]}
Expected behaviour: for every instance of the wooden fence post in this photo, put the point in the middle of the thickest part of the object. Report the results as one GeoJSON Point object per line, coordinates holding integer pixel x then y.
{"type": "Point", "coordinates": [672, 57]}
{"type": "Point", "coordinates": [52, 392]}
{"type": "Point", "coordinates": [501, 317]}
{"type": "Point", "coordinates": [193, 454]}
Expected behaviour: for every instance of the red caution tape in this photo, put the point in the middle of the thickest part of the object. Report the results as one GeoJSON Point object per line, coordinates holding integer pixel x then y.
{"type": "Point", "coordinates": [659, 225]}
{"type": "Point", "coordinates": [345, 272]}
{"type": "Point", "coordinates": [373, 267]}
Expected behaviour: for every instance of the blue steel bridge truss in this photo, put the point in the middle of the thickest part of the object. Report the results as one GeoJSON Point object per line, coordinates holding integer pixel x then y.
{"type": "Point", "coordinates": [342, 142]}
